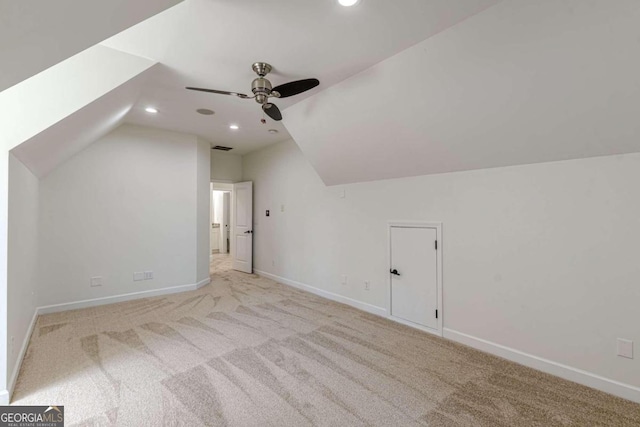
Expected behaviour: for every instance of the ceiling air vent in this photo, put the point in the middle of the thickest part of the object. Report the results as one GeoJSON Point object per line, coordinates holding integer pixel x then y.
{"type": "Point", "coordinates": [221, 148]}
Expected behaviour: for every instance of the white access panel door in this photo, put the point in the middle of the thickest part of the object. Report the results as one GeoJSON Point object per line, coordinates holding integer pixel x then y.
{"type": "Point", "coordinates": [242, 227]}
{"type": "Point", "coordinates": [414, 289]}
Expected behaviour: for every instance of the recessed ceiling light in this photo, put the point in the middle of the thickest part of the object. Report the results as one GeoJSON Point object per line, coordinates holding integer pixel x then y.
{"type": "Point", "coordinates": [274, 131]}
{"type": "Point", "coordinates": [347, 3]}
{"type": "Point", "coordinates": [234, 127]}
{"type": "Point", "coordinates": [205, 111]}
{"type": "Point", "coordinates": [151, 110]}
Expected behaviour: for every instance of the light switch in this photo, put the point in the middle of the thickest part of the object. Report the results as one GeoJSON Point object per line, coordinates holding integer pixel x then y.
{"type": "Point", "coordinates": [625, 348]}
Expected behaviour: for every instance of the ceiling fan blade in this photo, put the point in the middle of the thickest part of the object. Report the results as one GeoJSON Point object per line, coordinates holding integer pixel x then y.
{"type": "Point", "coordinates": [294, 88]}
{"type": "Point", "coordinates": [272, 111]}
{"type": "Point", "coordinates": [219, 92]}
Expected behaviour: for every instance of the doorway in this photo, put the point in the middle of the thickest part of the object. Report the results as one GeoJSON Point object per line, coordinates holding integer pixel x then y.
{"type": "Point", "coordinates": [231, 232]}
{"type": "Point", "coordinates": [415, 275]}
{"type": "Point", "coordinates": [220, 227]}
{"type": "Point", "coordinates": [220, 221]}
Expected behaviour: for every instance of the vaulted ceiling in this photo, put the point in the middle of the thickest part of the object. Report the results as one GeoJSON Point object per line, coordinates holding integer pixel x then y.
{"type": "Point", "coordinates": [34, 35]}
{"type": "Point", "coordinates": [212, 43]}
{"type": "Point", "coordinates": [407, 88]}
{"type": "Point", "coordinates": [55, 114]}
{"type": "Point", "coordinates": [522, 82]}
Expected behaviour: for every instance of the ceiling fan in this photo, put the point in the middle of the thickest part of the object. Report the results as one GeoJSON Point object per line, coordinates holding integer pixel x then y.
{"type": "Point", "coordinates": [262, 90]}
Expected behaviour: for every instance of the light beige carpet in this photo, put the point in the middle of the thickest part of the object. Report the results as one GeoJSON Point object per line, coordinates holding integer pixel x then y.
{"type": "Point", "coordinates": [246, 351]}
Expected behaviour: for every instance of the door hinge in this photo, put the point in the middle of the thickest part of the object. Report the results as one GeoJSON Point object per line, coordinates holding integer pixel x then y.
{"type": "Point", "coordinates": [436, 314]}
{"type": "Point", "coordinates": [436, 245]}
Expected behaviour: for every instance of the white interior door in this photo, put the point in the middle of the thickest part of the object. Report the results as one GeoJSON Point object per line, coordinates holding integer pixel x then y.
{"type": "Point", "coordinates": [414, 275]}
{"type": "Point", "coordinates": [226, 222]}
{"type": "Point", "coordinates": [242, 227]}
{"type": "Point", "coordinates": [211, 244]}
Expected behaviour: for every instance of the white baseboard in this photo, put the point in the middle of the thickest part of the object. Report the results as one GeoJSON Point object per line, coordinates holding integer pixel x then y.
{"type": "Point", "coordinates": [5, 395]}
{"type": "Point", "coordinates": [369, 308]}
{"type": "Point", "coordinates": [16, 369]}
{"type": "Point", "coordinates": [203, 282]}
{"type": "Point", "coordinates": [579, 376]}
{"type": "Point", "coordinates": [120, 298]}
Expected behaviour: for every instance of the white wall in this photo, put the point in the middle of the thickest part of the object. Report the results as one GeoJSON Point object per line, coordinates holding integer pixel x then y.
{"type": "Point", "coordinates": [129, 202]}
{"type": "Point", "coordinates": [539, 258]}
{"type": "Point", "coordinates": [203, 202]}
{"type": "Point", "coordinates": [225, 167]}
{"type": "Point", "coordinates": [22, 259]}
{"type": "Point", "coordinates": [4, 243]}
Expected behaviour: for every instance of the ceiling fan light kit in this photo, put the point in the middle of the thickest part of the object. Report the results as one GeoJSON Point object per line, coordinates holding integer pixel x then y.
{"type": "Point", "coordinates": [263, 90]}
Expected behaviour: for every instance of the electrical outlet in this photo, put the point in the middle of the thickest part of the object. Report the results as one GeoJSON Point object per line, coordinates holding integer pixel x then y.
{"type": "Point", "coordinates": [281, 208]}
{"type": "Point", "coordinates": [138, 276]}
{"type": "Point", "coordinates": [148, 275]}
{"type": "Point", "coordinates": [273, 263]}
{"type": "Point", "coordinates": [343, 279]}
{"type": "Point", "coordinates": [625, 348]}
{"type": "Point", "coordinates": [366, 285]}
{"type": "Point", "coordinates": [96, 281]}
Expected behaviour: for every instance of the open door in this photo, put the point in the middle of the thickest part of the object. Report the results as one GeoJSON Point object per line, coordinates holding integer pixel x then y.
{"type": "Point", "coordinates": [226, 221]}
{"type": "Point", "coordinates": [242, 227]}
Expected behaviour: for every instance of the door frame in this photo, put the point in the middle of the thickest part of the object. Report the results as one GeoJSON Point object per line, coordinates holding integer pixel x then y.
{"type": "Point", "coordinates": [418, 224]}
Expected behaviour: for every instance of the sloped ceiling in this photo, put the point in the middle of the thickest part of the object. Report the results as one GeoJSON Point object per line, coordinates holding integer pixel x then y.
{"type": "Point", "coordinates": [58, 143]}
{"type": "Point", "coordinates": [36, 34]}
{"type": "Point", "coordinates": [51, 116]}
{"type": "Point", "coordinates": [522, 82]}
{"type": "Point", "coordinates": [212, 43]}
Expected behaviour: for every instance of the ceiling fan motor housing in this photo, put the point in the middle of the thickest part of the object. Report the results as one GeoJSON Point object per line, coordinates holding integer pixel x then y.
{"type": "Point", "coordinates": [261, 88]}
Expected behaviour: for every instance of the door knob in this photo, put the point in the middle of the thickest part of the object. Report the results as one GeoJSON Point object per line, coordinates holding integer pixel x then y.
{"type": "Point", "coordinates": [394, 271]}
